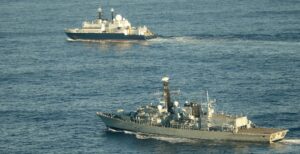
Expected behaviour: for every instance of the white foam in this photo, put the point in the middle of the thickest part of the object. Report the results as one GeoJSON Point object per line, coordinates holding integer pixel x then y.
{"type": "Point", "coordinates": [290, 141]}
{"type": "Point", "coordinates": [163, 138]}
{"type": "Point", "coordinates": [129, 132]}
{"type": "Point", "coordinates": [173, 139]}
{"type": "Point", "coordinates": [113, 130]}
{"type": "Point", "coordinates": [160, 40]}
{"type": "Point", "coordinates": [71, 40]}
{"type": "Point", "coordinates": [140, 136]}
{"type": "Point", "coordinates": [181, 40]}
{"type": "Point", "coordinates": [187, 40]}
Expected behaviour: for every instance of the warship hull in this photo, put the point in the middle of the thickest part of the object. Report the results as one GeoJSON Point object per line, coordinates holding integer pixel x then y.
{"type": "Point", "coordinates": [264, 135]}
{"type": "Point", "coordinates": [107, 36]}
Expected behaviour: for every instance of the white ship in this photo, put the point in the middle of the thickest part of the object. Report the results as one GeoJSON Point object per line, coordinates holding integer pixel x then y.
{"type": "Point", "coordinates": [118, 28]}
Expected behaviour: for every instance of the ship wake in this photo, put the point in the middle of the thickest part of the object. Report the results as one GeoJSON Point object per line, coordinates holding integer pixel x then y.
{"type": "Point", "coordinates": [114, 130]}
{"type": "Point", "coordinates": [213, 40]}
{"type": "Point", "coordinates": [164, 138]}
{"type": "Point", "coordinates": [175, 39]}
{"type": "Point", "coordinates": [291, 141]}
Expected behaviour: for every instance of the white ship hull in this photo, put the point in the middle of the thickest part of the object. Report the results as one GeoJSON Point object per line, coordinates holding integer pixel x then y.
{"type": "Point", "coordinates": [267, 135]}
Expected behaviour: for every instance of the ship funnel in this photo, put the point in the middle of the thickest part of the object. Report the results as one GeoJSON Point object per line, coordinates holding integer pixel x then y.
{"type": "Point", "coordinates": [167, 97]}
{"type": "Point", "coordinates": [112, 13]}
{"type": "Point", "coordinates": [99, 13]}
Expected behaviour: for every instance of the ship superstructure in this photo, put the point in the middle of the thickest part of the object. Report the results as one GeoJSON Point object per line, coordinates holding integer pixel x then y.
{"type": "Point", "coordinates": [192, 120]}
{"type": "Point", "coordinates": [117, 28]}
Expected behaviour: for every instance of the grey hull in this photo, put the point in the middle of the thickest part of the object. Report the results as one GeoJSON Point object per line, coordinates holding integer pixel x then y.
{"type": "Point", "coordinates": [262, 136]}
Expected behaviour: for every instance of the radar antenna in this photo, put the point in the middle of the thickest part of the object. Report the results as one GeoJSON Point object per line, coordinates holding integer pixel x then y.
{"type": "Point", "coordinates": [112, 13]}
{"type": "Point", "coordinates": [100, 12]}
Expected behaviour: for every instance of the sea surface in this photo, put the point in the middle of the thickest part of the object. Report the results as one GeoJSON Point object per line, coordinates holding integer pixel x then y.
{"type": "Point", "coordinates": [246, 53]}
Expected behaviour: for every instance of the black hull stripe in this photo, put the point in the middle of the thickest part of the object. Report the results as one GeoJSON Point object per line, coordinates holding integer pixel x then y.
{"type": "Point", "coordinates": [103, 36]}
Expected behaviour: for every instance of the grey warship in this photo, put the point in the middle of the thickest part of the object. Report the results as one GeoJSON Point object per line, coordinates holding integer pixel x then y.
{"type": "Point", "coordinates": [118, 28]}
{"type": "Point", "coordinates": [192, 120]}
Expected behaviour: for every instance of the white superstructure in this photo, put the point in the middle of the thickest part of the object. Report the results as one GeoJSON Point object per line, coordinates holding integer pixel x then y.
{"type": "Point", "coordinates": [118, 24]}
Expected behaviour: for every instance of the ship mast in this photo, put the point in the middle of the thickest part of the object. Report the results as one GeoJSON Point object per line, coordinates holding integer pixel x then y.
{"type": "Point", "coordinates": [112, 14]}
{"type": "Point", "coordinates": [210, 110]}
{"type": "Point", "coordinates": [166, 94]}
{"type": "Point", "coordinates": [100, 13]}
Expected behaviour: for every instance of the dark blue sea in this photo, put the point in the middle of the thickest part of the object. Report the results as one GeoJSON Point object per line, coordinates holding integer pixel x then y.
{"type": "Point", "coordinates": [246, 53]}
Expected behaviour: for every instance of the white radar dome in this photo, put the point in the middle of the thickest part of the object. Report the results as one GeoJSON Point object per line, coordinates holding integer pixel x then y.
{"type": "Point", "coordinates": [176, 103]}
{"type": "Point", "coordinates": [159, 107]}
{"type": "Point", "coordinates": [165, 79]}
{"type": "Point", "coordinates": [118, 17]}
{"type": "Point", "coordinates": [158, 120]}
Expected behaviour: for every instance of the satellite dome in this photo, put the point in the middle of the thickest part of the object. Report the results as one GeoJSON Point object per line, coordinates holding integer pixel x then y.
{"type": "Point", "coordinates": [118, 17]}
{"type": "Point", "coordinates": [159, 107]}
{"type": "Point", "coordinates": [176, 103]}
{"type": "Point", "coordinates": [165, 79]}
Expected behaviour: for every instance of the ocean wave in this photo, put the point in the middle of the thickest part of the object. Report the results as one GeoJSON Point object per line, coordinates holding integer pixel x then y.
{"type": "Point", "coordinates": [258, 37]}
{"type": "Point", "coordinates": [294, 129]}
{"type": "Point", "coordinates": [195, 38]}
{"type": "Point", "coordinates": [273, 12]}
